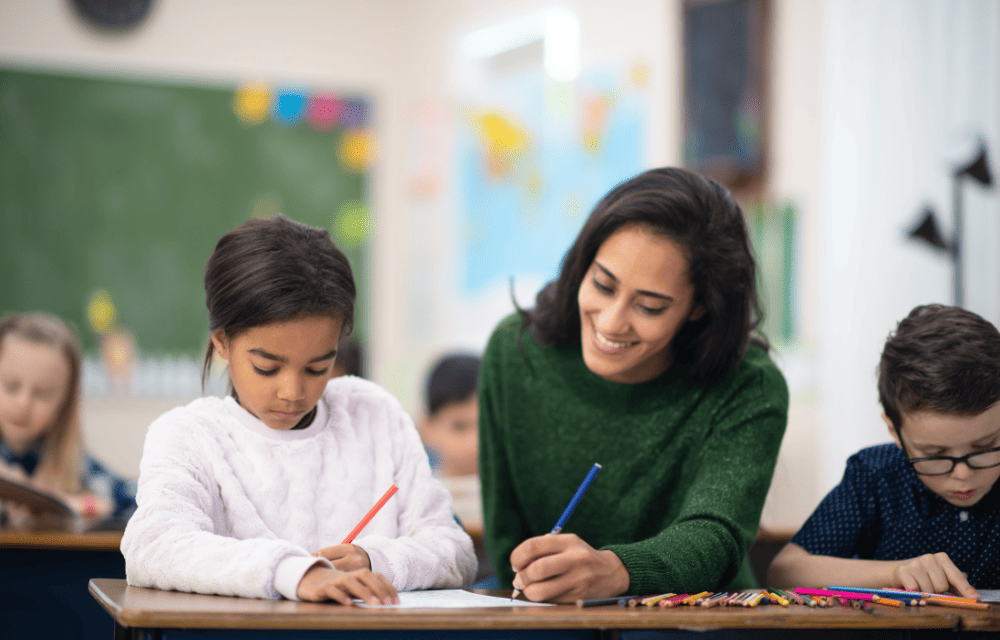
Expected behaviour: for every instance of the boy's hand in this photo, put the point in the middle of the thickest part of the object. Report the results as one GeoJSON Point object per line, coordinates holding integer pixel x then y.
{"type": "Point", "coordinates": [323, 583]}
{"type": "Point", "coordinates": [346, 557]}
{"type": "Point", "coordinates": [934, 573]}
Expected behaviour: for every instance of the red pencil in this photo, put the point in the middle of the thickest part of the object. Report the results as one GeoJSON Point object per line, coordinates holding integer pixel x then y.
{"type": "Point", "coordinates": [371, 514]}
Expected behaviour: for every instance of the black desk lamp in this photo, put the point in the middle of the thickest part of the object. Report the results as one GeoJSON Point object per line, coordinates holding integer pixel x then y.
{"type": "Point", "coordinates": [927, 230]}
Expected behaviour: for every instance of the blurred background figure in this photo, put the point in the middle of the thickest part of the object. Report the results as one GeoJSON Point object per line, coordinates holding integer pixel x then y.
{"type": "Point", "coordinates": [350, 359]}
{"type": "Point", "coordinates": [450, 428]}
{"type": "Point", "coordinates": [118, 353]}
{"type": "Point", "coordinates": [450, 431]}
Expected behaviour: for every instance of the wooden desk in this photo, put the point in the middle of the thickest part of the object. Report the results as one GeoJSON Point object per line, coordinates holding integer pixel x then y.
{"type": "Point", "coordinates": [170, 614]}
{"type": "Point", "coordinates": [61, 540]}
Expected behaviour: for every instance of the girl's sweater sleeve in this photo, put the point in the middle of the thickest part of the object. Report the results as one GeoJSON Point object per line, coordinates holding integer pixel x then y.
{"type": "Point", "coordinates": [172, 541]}
{"type": "Point", "coordinates": [431, 550]}
{"type": "Point", "coordinates": [705, 546]}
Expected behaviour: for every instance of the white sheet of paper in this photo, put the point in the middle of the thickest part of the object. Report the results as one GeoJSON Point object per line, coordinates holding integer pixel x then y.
{"type": "Point", "coordinates": [451, 599]}
{"type": "Point", "coordinates": [989, 595]}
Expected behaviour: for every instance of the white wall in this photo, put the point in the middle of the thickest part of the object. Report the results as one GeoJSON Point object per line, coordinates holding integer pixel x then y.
{"type": "Point", "coordinates": [902, 79]}
{"type": "Point", "coordinates": [796, 107]}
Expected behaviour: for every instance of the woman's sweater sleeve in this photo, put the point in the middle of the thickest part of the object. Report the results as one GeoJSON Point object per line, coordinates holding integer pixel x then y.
{"type": "Point", "coordinates": [504, 524]}
{"type": "Point", "coordinates": [705, 546]}
{"type": "Point", "coordinates": [171, 542]}
{"type": "Point", "coordinates": [432, 551]}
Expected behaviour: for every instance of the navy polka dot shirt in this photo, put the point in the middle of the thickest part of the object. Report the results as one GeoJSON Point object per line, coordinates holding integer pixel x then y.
{"type": "Point", "coordinates": [882, 511]}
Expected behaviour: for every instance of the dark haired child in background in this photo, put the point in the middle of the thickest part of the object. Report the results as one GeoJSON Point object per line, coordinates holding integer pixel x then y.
{"type": "Point", "coordinates": [450, 429]}
{"type": "Point", "coordinates": [245, 495]}
{"type": "Point", "coordinates": [350, 359]}
{"type": "Point", "coordinates": [451, 425]}
{"type": "Point", "coordinates": [918, 514]}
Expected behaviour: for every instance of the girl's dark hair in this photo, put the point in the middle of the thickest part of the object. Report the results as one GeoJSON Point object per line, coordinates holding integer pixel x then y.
{"type": "Point", "coordinates": [453, 378]}
{"type": "Point", "coordinates": [271, 270]}
{"type": "Point", "coordinates": [701, 217]}
{"type": "Point", "coordinates": [942, 359]}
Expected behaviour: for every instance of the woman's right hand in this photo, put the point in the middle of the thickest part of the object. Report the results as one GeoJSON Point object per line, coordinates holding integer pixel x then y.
{"type": "Point", "coordinates": [933, 573]}
{"type": "Point", "coordinates": [323, 583]}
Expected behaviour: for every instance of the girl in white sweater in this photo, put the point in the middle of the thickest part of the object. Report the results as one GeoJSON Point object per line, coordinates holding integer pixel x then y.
{"type": "Point", "coordinates": [249, 495]}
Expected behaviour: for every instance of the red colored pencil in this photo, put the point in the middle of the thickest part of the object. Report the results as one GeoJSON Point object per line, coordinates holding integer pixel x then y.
{"type": "Point", "coordinates": [371, 514]}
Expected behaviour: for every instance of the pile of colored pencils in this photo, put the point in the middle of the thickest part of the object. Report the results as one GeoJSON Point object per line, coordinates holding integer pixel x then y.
{"type": "Point", "coordinates": [749, 598]}
{"type": "Point", "coordinates": [852, 597]}
{"type": "Point", "coordinates": [901, 598]}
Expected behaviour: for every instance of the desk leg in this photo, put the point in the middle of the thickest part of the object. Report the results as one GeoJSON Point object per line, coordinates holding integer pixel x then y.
{"type": "Point", "coordinates": [129, 633]}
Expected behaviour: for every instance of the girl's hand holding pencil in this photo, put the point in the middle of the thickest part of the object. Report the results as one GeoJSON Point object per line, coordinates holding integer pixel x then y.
{"type": "Point", "coordinates": [351, 576]}
{"type": "Point", "coordinates": [346, 557]}
{"type": "Point", "coordinates": [323, 583]}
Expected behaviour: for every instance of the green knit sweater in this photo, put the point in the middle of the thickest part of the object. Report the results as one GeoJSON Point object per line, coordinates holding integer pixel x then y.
{"type": "Point", "coordinates": [685, 470]}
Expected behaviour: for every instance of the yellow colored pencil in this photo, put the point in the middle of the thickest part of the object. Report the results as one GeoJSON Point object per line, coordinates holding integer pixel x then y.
{"type": "Point", "coordinates": [698, 596]}
{"type": "Point", "coordinates": [756, 600]}
{"type": "Point", "coordinates": [652, 600]}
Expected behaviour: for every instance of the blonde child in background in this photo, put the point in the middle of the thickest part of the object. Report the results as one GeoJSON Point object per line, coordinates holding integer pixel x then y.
{"type": "Point", "coordinates": [250, 495]}
{"type": "Point", "coordinates": [40, 437]}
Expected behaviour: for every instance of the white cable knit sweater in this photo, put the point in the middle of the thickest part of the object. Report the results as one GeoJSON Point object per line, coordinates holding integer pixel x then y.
{"type": "Point", "coordinates": [229, 506]}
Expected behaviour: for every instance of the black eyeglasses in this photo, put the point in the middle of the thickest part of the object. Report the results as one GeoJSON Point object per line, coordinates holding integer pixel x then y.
{"type": "Point", "coordinates": [943, 465]}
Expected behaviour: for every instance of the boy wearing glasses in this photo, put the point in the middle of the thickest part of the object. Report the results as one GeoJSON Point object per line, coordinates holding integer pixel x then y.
{"type": "Point", "coordinates": [918, 514]}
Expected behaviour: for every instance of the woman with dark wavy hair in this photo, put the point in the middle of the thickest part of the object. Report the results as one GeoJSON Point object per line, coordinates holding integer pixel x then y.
{"type": "Point", "coordinates": [641, 355]}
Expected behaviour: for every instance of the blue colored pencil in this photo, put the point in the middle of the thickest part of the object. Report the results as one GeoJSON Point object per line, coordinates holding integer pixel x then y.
{"type": "Point", "coordinates": [570, 507]}
{"type": "Point", "coordinates": [621, 601]}
{"type": "Point", "coordinates": [886, 593]}
{"type": "Point", "coordinates": [576, 499]}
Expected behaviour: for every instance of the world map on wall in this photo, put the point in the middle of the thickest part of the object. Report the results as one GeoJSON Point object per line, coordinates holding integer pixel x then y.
{"type": "Point", "coordinates": [533, 158]}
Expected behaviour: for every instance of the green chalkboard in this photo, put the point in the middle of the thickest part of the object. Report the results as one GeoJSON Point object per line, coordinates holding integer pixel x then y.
{"type": "Point", "coordinates": [125, 186]}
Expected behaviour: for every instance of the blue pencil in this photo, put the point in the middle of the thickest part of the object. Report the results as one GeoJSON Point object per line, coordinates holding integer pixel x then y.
{"type": "Point", "coordinates": [576, 499]}
{"type": "Point", "coordinates": [887, 593]}
{"type": "Point", "coordinates": [570, 507]}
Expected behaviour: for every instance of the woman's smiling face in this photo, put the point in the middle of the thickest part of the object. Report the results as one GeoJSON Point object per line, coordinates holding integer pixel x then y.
{"type": "Point", "coordinates": [280, 370]}
{"type": "Point", "coordinates": [633, 300]}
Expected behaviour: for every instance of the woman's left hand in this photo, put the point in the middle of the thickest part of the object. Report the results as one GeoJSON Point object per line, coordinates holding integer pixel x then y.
{"type": "Point", "coordinates": [346, 557]}
{"type": "Point", "coordinates": [563, 568]}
